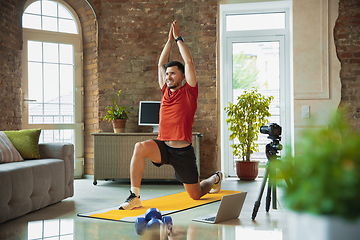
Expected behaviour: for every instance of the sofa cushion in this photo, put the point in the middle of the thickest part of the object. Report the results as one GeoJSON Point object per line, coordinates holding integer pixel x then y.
{"type": "Point", "coordinates": [8, 152]}
{"type": "Point", "coordinates": [30, 185]}
{"type": "Point", "coordinates": [26, 142]}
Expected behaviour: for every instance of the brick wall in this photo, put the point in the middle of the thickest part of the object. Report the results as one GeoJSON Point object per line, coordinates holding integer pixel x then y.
{"type": "Point", "coordinates": [10, 65]}
{"type": "Point", "coordinates": [131, 38]}
{"type": "Point", "coordinates": [347, 41]}
{"type": "Point", "coordinates": [121, 51]}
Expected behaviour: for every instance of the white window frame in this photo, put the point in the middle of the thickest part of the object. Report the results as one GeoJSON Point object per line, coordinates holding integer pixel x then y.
{"type": "Point", "coordinates": [76, 41]}
{"type": "Point", "coordinates": [286, 83]}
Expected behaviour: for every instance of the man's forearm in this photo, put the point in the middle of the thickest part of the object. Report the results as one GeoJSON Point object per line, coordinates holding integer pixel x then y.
{"type": "Point", "coordinates": [164, 56]}
{"type": "Point", "coordinates": [190, 75]}
{"type": "Point", "coordinates": [184, 51]}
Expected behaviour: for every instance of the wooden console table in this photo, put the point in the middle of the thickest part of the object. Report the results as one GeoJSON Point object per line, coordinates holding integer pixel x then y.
{"type": "Point", "coordinates": [113, 152]}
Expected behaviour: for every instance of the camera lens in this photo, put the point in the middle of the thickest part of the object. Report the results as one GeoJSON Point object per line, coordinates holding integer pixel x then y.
{"type": "Point", "coordinates": [264, 129]}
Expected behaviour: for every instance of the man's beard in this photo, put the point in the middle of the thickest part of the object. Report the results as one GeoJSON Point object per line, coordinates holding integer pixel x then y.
{"type": "Point", "coordinates": [173, 86]}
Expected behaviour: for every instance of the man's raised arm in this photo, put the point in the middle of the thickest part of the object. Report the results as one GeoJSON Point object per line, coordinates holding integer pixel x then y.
{"type": "Point", "coordinates": [185, 54]}
{"type": "Point", "coordinates": [164, 58]}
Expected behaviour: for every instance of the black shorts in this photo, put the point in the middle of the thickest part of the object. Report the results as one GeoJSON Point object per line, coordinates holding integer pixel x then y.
{"type": "Point", "coordinates": [182, 159]}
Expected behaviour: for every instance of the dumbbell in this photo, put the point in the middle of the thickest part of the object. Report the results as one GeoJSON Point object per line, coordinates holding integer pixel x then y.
{"type": "Point", "coordinates": [153, 220]}
{"type": "Point", "coordinates": [167, 221]}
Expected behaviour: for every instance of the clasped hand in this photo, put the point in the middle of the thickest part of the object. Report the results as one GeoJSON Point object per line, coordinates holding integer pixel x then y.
{"type": "Point", "coordinates": [174, 32]}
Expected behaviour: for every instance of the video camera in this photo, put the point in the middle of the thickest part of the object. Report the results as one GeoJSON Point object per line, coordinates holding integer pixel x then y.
{"type": "Point", "coordinates": [274, 131]}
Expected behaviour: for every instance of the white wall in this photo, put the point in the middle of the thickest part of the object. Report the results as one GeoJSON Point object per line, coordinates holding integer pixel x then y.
{"type": "Point", "coordinates": [316, 66]}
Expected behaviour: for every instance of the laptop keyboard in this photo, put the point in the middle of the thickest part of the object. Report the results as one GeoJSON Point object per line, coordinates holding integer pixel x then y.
{"type": "Point", "coordinates": [210, 219]}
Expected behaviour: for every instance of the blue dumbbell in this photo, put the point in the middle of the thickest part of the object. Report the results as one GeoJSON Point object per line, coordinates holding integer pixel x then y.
{"type": "Point", "coordinates": [153, 217]}
{"type": "Point", "coordinates": [152, 220]}
{"type": "Point", "coordinates": [167, 221]}
{"type": "Point", "coordinates": [140, 225]}
{"type": "Point", "coordinates": [154, 223]}
{"type": "Point", "coordinates": [152, 213]}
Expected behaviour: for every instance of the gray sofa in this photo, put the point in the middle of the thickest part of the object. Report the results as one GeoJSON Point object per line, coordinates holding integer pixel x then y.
{"type": "Point", "coordinates": [33, 184]}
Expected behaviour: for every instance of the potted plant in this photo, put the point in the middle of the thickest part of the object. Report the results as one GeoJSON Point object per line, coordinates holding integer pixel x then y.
{"type": "Point", "coordinates": [246, 116]}
{"type": "Point", "coordinates": [118, 115]}
{"type": "Point", "coordinates": [325, 175]}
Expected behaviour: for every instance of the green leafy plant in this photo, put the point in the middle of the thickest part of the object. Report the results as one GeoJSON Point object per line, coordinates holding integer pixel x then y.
{"type": "Point", "coordinates": [117, 112]}
{"type": "Point", "coordinates": [245, 117]}
{"type": "Point", "coordinates": [326, 175]}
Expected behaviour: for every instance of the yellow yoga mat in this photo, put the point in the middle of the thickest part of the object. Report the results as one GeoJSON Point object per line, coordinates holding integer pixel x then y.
{"type": "Point", "coordinates": [167, 205]}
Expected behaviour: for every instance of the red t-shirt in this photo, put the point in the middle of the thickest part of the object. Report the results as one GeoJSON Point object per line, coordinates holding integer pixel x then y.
{"type": "Point", "coordinates": [177, 113]}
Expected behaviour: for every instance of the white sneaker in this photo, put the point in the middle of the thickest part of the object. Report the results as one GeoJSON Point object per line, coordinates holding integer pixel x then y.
{"type": "Point", "coordinates": [131, 202]}
{"type": "Point", "coordinates": [217, 185]}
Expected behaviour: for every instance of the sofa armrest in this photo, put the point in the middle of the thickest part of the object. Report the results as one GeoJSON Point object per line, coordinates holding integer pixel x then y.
{"type": "Point", "coordinates": [64, 151]}
{"type": "Point", "coordinates": [56, 150]}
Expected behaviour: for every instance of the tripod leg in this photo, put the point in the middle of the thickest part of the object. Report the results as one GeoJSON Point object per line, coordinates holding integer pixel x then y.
{"type": "Point", "coordinates": [268, 197]}
{"type": "Point", "coordinates": [257, 202]}
{"type": "Point", "coordinates": [273, 183]}
{"type": "Point", "coordinates": [274, 195]}
{"type": "Point", "coordinates": [271, 186]}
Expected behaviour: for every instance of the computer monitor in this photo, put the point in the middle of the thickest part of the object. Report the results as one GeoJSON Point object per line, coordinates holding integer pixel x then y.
{"type": "Point", "coordinates": [149, 114]}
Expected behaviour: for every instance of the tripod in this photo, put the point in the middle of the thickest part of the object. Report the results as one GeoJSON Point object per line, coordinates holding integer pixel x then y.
{"type": "Point", "coordinates": [270, 174]}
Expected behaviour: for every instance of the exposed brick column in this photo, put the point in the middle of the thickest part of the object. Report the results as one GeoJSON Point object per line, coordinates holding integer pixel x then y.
{"type": "Point", "coordinates": [10, 65]}
{"type": "Point", "coordinates": [347, 41]}
{"type": "Point", "coordinates": [90, 77]}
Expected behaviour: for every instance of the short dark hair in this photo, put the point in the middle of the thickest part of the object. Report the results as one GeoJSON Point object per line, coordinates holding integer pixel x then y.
{"type": "Point", "coordinates": [176, 63]}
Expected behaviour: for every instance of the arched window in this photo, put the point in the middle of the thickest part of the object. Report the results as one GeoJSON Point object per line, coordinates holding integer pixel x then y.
{"type": "Point", "coordinates": [50, 16]}
{"type": "Point", "coordinates": [52, 73]}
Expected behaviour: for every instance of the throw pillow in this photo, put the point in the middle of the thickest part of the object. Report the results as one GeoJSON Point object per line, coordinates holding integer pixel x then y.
{"type": "Point", "coordinates": [26, 142]}
{"type": "Point", "coordinates": [8, 152]}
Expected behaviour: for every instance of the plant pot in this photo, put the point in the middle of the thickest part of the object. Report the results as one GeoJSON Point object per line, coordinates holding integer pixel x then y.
{"type": "Point", "coordinates": [247, 170]}
{"type": "Point", "coordinates": [321, 227]}
{"type": "Point", "coordinates": [119, 125]}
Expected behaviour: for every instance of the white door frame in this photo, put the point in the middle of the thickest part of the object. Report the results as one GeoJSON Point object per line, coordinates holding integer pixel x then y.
{"type": "Point", "coordinates": [286, 80]}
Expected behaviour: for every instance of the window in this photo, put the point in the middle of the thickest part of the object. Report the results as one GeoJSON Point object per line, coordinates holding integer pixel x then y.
{"type": "Point", "coordinates": [258, 21]}
{"type": "Point", "coordinates": [51, 82]}
{"type": "Point", "coordinates": [256, 64]}
{"type": "Point", "coordinates": [52, 69]}
{"type": "Point", "coordinates": [49, 15]}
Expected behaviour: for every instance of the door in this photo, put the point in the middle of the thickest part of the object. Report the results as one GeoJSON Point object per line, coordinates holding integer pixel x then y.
{"type": "Point", "coordinates": [255, 52]}
{"type": "Point", "coordinates": [256, 62]}
{"type": "Point", "coordinates": [52, 75]}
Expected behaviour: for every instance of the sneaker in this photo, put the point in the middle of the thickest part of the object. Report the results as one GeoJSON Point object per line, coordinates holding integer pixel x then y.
{"type": "Point", "coordinates": [217, 185]}
{"type": "Point", "coordinates": [131, 202]}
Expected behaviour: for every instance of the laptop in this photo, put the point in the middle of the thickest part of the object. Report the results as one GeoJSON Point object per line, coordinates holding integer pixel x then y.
{"type": "Point", "coordinates": [230, 208]}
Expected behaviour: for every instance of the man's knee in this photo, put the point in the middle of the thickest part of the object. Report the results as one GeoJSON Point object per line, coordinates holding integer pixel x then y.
{"type": "Point", "coordinates": [194, 193]}
{"type": "Point", "coordinates": [195, 196]}
{"type": "Point", "coordinates": [139, 147]}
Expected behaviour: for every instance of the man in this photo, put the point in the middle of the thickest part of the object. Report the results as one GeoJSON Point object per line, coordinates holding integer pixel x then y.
{"type": "Point", "coordinates": [178, 105]}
